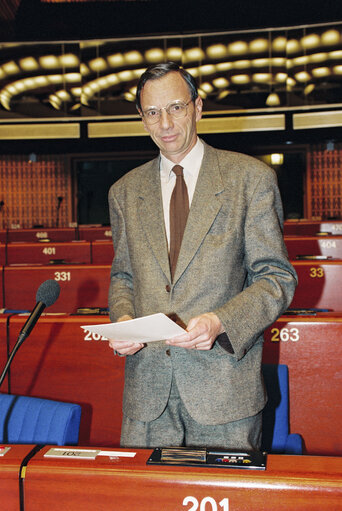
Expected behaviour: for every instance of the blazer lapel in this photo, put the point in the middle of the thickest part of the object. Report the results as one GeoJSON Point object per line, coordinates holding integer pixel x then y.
{"type": "Point", "coordinates": [152, 216]}
{"type": "Point", "coordinates": [206, 204]}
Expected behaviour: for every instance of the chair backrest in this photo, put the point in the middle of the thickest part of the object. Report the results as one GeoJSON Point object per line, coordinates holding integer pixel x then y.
{"type": "Point", "coordinates": [32, 420]}
{"type": "Point", "coordinates": [276, 413]}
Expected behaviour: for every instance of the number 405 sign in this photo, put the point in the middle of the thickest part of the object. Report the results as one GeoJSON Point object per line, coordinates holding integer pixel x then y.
{"type": "Point", "coordinates": [206, 504]}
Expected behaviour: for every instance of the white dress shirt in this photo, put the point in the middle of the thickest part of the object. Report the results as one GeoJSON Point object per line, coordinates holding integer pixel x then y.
{"type": "Point", "coordinates": [191, 165]}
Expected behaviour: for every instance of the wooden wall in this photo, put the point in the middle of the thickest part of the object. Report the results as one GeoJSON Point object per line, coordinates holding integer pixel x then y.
{"type": "Point", "coordinates": [324, 182]}
{"type": "Point", "coordinates": [30, 190]}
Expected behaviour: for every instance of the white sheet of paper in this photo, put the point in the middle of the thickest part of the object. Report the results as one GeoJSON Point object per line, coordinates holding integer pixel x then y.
{"type": "Point", "coordinates": [155, 327]}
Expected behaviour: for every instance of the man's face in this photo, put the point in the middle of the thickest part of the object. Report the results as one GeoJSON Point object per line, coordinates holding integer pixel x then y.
{"type": "Point", "coordinates": [174, 137]}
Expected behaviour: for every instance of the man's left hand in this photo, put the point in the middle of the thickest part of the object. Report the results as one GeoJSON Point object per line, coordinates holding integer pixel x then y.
{"type": "Point", "coordinates": [201, 333]}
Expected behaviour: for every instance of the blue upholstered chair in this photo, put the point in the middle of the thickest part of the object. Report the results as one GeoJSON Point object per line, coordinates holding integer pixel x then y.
{"type": "Point", "coordinates": [276, 435]}
{"type": "Point", "coordinates": [32, 420]}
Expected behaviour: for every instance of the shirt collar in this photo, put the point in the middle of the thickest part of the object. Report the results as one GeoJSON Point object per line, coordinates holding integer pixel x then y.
{"type": "Point", "coordinates": [191, 161]}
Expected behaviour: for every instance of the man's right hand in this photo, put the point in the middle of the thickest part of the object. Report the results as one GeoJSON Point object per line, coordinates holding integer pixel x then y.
{"type": "Point", "coordinates": [125, 347]}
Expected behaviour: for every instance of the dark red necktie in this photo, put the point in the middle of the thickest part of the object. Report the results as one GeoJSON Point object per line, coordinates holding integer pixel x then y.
{"type": "Point", "coordinates": [179, 209]}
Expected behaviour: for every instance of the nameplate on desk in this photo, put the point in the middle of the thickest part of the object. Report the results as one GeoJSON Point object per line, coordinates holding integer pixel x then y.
{"type": "Point", "coordinates": [86, 454]}
{"type": "Point", "coordinates": [3, 450]}
{"type": "Point", "coordinates": [218, 458]}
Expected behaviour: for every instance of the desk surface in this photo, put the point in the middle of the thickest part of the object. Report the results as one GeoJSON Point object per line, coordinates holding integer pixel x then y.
{"type": "Point", "coordinates": [127, 484]}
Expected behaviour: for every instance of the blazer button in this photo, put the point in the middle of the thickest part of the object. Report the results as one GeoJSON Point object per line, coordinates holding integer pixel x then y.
{"type": "Point", "coordinates": [168, 352]}
{"type": "Point", "coordinates": [168, 288]}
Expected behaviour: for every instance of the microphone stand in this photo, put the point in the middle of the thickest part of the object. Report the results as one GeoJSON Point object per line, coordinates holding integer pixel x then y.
{"type": "Point", "coordinates": [24, 333]}
{"type": "Point", "coordinates": [9, 361]}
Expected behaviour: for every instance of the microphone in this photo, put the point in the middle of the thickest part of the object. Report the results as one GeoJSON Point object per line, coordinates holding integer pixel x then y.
{"type": "Point", "coordinates": [47, 294]}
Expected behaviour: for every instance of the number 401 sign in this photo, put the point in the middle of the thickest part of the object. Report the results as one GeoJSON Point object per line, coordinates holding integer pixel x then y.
{"type": "Point", "coordinates": [206, 504]}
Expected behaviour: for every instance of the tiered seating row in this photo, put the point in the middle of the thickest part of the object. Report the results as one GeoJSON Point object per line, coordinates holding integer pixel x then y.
{"type": "Point", "coordinates": [81, 232]}
{"type": "Point", "coordinates": [81, 252]}
{"type": "Point", "coordinates": [64, 363]}
{"type": "Point", "coordinates": [118, 481]}
{"type": "Point", "coordinates": [86, 285]}
{"type": "Point", "coordinates": [60, 361]}
{"type": "Point", "coordinates": [312, 227]}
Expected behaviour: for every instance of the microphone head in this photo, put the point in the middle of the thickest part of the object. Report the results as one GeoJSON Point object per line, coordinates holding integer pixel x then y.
{"type": "Point", "coordinates": [48, 292]}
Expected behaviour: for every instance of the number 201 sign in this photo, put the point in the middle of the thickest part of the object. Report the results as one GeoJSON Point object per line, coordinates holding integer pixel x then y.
{"type": "Point", "coordinates": [206, 504]}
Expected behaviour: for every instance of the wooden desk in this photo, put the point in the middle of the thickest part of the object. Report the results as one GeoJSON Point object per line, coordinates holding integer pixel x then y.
{"type": "Point", "coordinates": [319, 285]}
{"type": "Point", "coordinates": [311, 227]}
{"type": "Point", "coordinates": [2, 254]}
{"type": "Point", "coordinates": [60, 361]}
{"type": "Point", "coordinates": [10, 465]}
{"type": "Point", "coordinates": [330, 246]}
{"type": "Point", "coordinates": [312, 349]}
{"type": "Point", "coordinates": [53, 234]}
{"type": "Point", "coordinates": [298, 483]}
{"type": "Point", "coordinates": [96, 232]}
{"type": "Point", "coordinates": [1, 287]}
{"type": "Point", "coordinates": [102, 252]}
{"type": "Point", "coordinates": [3, 347]}
{"type": "Point", "coordinates": [81, 285]}
{"type": "Point", "coordinates": [68, 252]}
{"type": "Point", "coordinates": [3, 235]}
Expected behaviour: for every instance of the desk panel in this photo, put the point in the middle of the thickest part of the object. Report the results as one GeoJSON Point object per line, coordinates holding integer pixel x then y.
{"type": "Point", "coordinates": [1, 287]}
{"type": "Point", "coordinates": [2, 254]}
{"type": "Point", "coordinates": [3, 235]}
{"type": "Point", "coordinates": [298, 483]}
{"type": "Point", "coordinates": [102, 252]}
{"type": "Point", "coordinates": [3, 347]}
{"type": "Point", "coordinates": [9, 476]}
{"type": "Point", "coordinates": [81, 286]}
{"type": "Point", "coordinates": [60, 361]}
{"type": "Point", "coordinates": [330, 246]}
{"type": "Point", "coordinates": [95, 232]}
{"type": "Point", "coordinates": [53, 234]}
{"type": "Point", "coordinates": [319, 285]}
{"type": "Point", "coordinates": [69, 252]}
{"type": "Point", "coordinates": [311, 227]}
{"type": "Point", "coordinates": [312, 349]}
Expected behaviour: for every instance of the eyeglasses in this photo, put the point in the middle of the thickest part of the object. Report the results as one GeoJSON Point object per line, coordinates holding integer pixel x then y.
{"type": "Point", "coordinates": [176, 109]}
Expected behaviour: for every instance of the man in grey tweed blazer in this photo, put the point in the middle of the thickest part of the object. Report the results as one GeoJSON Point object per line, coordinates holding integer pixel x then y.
{"type": "Point", "coordinates": [232, 279]}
